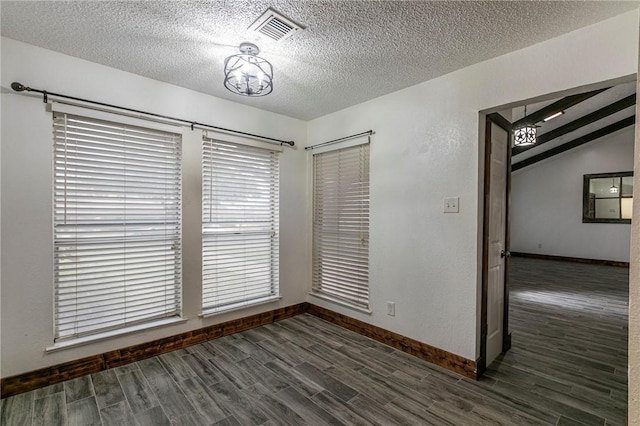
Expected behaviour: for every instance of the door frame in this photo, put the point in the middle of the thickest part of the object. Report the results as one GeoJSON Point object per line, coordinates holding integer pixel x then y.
{"type": "Point", "coordinates": [503, 123]}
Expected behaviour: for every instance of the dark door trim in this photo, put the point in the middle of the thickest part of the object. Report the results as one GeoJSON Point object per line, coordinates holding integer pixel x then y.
{"type": "Point", "coordinates": [506, 336]}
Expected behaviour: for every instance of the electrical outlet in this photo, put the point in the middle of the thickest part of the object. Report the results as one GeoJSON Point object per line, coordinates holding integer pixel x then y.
{"type": "Point", "coordinates": [451, 204]}
{"type": "Point", "coordinates": [391, 309]}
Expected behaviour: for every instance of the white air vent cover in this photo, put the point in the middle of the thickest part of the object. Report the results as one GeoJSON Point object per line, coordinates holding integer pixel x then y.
{"type": "Point", "coordinates": [274, 26]}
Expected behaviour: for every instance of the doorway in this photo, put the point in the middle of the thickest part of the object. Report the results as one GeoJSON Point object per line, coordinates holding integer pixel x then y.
{"type": "Point", "coordinates": [602, 113]}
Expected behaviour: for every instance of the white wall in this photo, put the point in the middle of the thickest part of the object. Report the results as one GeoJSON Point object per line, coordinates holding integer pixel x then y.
{"type": "Point", "coordinates": [27, 261]}
{"type": "Point", "coordinates": [426, 147]}
{"type": "Point", "coordinates": [546, 202]}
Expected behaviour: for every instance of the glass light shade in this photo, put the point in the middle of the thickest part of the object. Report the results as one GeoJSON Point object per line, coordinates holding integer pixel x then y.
{"type": "Point", "coordinates": [613, 189]}
{"type": "Point", "coordinates": [247, 74]}
{"type": "Point", "coordinates": [524, 136]}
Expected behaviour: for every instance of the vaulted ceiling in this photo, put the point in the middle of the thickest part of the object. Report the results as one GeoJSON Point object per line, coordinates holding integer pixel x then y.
{"type": "Point", "coordinates": [349, 51]}
{"type": "Point", "coordinates": [585, 118]}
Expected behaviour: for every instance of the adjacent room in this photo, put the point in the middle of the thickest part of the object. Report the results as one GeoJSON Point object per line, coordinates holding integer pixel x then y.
{"type": "Point", "coordinates": [313, 212]}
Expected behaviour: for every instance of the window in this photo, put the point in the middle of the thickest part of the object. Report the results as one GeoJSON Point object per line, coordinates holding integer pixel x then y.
{"type": "Point", "coordinates": [607, 198]}
{"type": "Point", "coordinates": [117, 223]}
{"type": "Point", "coordinates": [341, 225]}
{"type": "Point", "coordinates": [240, 208]}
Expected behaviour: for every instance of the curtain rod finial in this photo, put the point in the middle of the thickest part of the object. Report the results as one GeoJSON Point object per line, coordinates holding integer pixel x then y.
{"type": "Point", "coordinates": [18, 87]}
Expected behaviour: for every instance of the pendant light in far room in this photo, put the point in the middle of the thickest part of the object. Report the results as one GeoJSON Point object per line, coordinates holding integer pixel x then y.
{"type": "Point", "coordinates": [525, 135]}
{"type": "Point", "coordinates": [613, 189]}
{"type": "Point", "coordinates": [247, 74]}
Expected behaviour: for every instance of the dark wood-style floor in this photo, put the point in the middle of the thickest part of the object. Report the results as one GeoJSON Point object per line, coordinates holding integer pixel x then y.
{"type": "Point", "coordinates": [567, 367]}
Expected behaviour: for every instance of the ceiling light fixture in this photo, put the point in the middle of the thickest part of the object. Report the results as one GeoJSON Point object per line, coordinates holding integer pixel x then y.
{"type": "Point", "coordinates": [525, 135]}
{"type": "Point", "coordinates": [247, 74]}
{"type": "Point", "coordinates": [552, 116]}
{"type": "Point", "coordinates": [614, 188]}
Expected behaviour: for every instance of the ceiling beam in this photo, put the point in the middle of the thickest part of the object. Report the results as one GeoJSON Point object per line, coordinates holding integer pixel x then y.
{"type": "Point", "coordinates": [555, 107]}
{"type": "Point", "coordinates": [580, 122]}
{"type": "Point", "coordinates": [500, 121]}
{"type": "Point", "coordinates": [629, 121]}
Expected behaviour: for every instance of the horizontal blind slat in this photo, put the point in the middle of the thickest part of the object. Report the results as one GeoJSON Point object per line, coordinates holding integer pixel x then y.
{"type": "Point", "coordinates": [341, 224]}
{"type": "Point", "coordinates": [117, 225]}
{"type": "Point", "coordinates": [240, 208]}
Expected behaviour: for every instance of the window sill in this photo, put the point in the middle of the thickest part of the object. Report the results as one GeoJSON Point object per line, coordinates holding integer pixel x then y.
{"type": "Point", "coordinates": [238, 306]}
{"type": "Point", "coordinates": [341, 303]}
{"type": "Point", "coordinates": [86, 340]}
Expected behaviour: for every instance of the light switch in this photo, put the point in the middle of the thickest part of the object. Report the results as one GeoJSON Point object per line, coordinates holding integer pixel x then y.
{"type": "Point", "coordinates": [451, 204]}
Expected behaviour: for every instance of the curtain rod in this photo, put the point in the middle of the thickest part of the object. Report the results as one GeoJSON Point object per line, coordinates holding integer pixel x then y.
{"type": "Point", "coordinates": [19, 87]}
{"type": "Point", "coordinates": [368, 132]}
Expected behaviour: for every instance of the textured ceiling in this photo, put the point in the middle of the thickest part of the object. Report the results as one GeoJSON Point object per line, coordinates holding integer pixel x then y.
{"type": "Point", "coordinates": [350, 51]}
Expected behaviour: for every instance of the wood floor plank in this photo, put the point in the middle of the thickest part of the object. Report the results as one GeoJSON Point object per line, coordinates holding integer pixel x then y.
{"type": "Point", "coordinates": [375, 413]}
{"type": "Point", "coordinates": [231, 421]}
{"type": "Point", "coordinates": [412, 413]}
{"type": "Point", "coordinates": [205, 405]}
{"type": "Point", "coordinates": [263, 375]}
{"type": "Point", "coordinates": [361, 384]}
{"type": "Point", "coordinates": [340, 390]}
{"type": "Point", "coordinates": [127, 368]}
{"type": "Point", "coordinates": [294, 334]}
{"type": "Point", "coordinates": [79, 388]}
{"type": "Point", "coordinates": [279, 413]}
{"type": "Point", "coordinates": [107, 388]}
{"type": "Point", "coordinates": [50, 410]}
{"type": "Point", "coordinates": [339, 409]}
{"type": "Point", "coordinates": [118, 414]}
{"type": "Point", "coordinates": [152, 417]}
{"type": "Point", "coordinates": [151, 366]}
{"type": "Point", "coordinates": [280, 351]}
{"type": "Point", "coordinates": [177, 365]}
{"type": "Point", "coordinates": [305, 408]}
{"type": "Point", "coordinates": [171, 398]}
{"type": "Point", "coordinates": [392, 384]}
{"type": "Point", "coordinates": [193, 418]}
{"type": "Point", "coordinates": [254, 351]}
{"type": "Point", "coordinates": [235, 403]}
{"type": "Point", "coordinates": [137, 391]}
{"type": "Point", "coordinates": [17, 409]}
{"type": "Point", "coordinates": [328, 353]}
{"type": "Point", "coordinates": [366, 360]}
{"type": "Point", "coordinates": [513, 401]}
{"type": "Point", "coordinates": [294, 378]}
{"type": "Point", "coordinates": [227, 346]}
{"type": "Point", "coordinates": [232, 372]}
{"type": "Point", "coordinates": [49, 390]}
{"type": "Point", "coordinates": [83, 412]}
{"type": "Point", "coordinates": [202, 368]}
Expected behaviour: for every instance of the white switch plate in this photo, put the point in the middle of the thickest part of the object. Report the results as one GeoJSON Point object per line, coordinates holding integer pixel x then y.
{"type": "Point", "coordinates": [451, 204]}
{"type": "Point", "coordinates": [391, 309]}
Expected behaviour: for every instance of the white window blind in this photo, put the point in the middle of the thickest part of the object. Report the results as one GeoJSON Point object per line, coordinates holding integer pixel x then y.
{"type": "Point", "coordinates": [341, 225]}
{"type": "Point", "coordinates": [117, 225]}
{"type": "Point", "coordinates": [240, 209]}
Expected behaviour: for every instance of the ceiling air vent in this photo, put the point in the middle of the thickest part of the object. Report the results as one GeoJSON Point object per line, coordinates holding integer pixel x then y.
{"type": "Point", "coordinates": [274, 26]}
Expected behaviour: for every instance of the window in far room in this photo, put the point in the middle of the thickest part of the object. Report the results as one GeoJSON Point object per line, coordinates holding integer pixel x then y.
{"type": "Point", "coordinates": [608, 198]}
